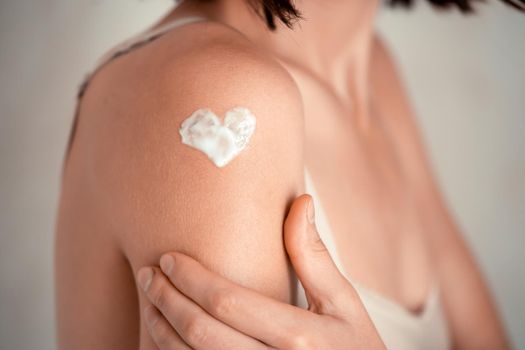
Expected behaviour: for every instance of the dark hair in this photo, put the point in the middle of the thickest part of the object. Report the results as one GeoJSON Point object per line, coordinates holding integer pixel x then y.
{"type": "Point", "coordinates": [287, 13]}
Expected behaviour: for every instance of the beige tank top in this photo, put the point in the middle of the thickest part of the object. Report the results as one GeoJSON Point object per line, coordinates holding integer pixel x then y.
{"type": "Point", "coordinates": [399, 328]}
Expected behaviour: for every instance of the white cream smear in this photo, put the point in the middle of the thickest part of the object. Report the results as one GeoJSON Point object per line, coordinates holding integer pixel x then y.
{"type": "Point", "coordinates": [220, 142]}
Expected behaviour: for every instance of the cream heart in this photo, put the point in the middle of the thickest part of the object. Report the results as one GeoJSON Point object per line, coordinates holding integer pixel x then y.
{"type": "Point", "coordinates": [220, 142]}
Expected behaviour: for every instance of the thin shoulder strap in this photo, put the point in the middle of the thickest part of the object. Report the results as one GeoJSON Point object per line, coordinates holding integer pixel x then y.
{"type": "Point", "coordinates": [134, 42]}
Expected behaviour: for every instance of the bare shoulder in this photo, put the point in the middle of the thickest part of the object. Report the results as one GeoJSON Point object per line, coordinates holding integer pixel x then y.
{"type": "Point", "coordinates": [163, 195]}
{"type": "Point", "coordinates": [151, 91]}
{"type": "Point", "coordinates": [201, 62]}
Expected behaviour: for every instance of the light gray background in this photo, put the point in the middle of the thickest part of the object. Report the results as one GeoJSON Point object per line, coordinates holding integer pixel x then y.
{"type": "Point", "coordinates": [466, 77]}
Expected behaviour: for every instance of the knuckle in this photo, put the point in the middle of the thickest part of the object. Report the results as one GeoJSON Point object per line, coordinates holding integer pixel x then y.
{"type": "Point", "coordinates": [315, 247]}
{"type": "Point", "coordinates": [195, 331]}
{"type": "Point", "coordinates": [222, 302]}
{"type": "Point", "coordinates": [160, 334]}
{"type": "Point", "coordinates": [340, 301]}
{"type": "Point", "coordinates": [352, 301]}
{"type": "Point", "coordinates": [318, 246]}
{"type": "Point", "coordinates": [300, 341]}
{"type": "Point", "coordinates": [346, 302]}
{"type": "Point", "coordinates": [160, 297]}
{"type": "Point", "coordinates": [330, 305]}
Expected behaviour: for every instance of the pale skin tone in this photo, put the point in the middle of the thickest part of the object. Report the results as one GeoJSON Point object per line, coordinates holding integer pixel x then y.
{"type": "Point", "coordinates": [210, 312]}
{"type": "Point", "coordinates": [335, 105]}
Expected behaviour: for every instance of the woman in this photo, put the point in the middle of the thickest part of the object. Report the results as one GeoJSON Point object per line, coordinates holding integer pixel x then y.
{"type": "Point", "coordinates": [329, 110]}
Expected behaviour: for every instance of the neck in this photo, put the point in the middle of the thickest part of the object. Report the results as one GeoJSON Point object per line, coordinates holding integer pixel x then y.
{"type": "Point", "coordinates": [332, 41]}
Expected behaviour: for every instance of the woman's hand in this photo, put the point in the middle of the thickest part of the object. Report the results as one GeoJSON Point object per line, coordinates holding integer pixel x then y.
{"type": "Point", "coordinates": [194, 308]}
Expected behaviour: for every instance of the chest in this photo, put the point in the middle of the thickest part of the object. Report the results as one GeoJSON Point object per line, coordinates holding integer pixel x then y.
{"type": "Point", "coordinates": [364, 183]}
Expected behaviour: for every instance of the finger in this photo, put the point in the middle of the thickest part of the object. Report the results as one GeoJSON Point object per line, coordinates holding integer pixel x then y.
{"type": "Point", "coordinates": [327, 290]}
{"type": "Point", "coordinates": [197, 328]}
{"type": "Point", "coordinates": [161, 331]}
{"type": "Point", "coordinates": [246, 310]}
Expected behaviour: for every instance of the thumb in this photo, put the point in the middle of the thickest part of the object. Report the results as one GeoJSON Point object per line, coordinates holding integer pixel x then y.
{"type": "Point", "coordinates": [326, 288]}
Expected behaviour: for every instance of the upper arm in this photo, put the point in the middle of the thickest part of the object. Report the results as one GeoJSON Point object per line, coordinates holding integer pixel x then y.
{"type": "Point", "coordinates": [160, 195]}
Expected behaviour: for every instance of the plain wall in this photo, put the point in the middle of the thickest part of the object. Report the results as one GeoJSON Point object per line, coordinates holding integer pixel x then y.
{"type": "Point", "coordinates": [466, 77]}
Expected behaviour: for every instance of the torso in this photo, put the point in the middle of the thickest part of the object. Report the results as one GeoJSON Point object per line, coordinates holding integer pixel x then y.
{"type": "Point", "coordinates": [362, 170]}
{"type": "Point", "coordinates": [363, 180]}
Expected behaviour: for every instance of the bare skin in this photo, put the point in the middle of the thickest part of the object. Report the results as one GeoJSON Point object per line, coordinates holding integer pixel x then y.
{"type": "Point", "coordinates": [194, 308]}
{"type": "Point", "coordinates": [329, 101]}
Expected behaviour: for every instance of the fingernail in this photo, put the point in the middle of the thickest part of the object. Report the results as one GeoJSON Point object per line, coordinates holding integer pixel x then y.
{"type": "Point", "coordinates": [310, 213]}
{"type": "Point", "coordinates": [145, 276]}
{"type": "Point", "coordinates": [166, 263]}
{"type": "Point", "coordinates": [151, 315]}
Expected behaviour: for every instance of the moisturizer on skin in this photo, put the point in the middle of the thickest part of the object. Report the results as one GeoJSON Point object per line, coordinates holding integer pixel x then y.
{"type": "Point", "coordinates": [221, 142]}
